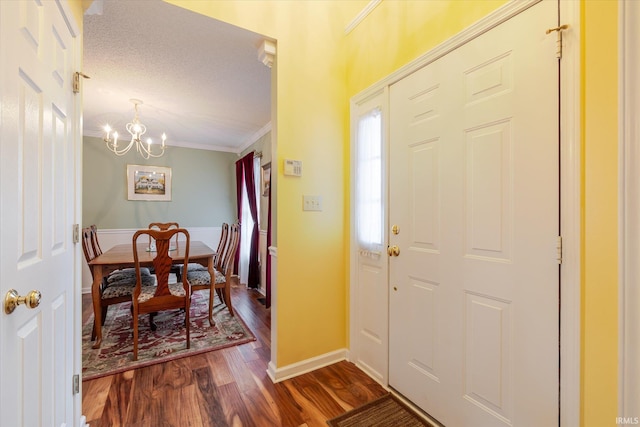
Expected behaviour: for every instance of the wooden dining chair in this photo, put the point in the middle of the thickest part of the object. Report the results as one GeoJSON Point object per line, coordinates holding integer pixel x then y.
{"type": "Point", "coordinates": [201, 280]}
{"type": "Point", "coordinates": [162, 295]}
{"type": "Point", "coordinates": [115, 288]}
{"type": "Point", "coordinates": [164, 226]}
{"type": "Point", "coordinates": [194, 266]}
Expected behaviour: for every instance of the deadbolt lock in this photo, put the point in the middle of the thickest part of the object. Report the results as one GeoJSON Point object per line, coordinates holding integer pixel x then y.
{"type": "Point", "coordinates": [395, 229]}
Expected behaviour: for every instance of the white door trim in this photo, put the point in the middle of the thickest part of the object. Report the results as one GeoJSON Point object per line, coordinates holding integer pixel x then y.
{"type": "Point", "coordinates": [570, 219]}
{"type": "Point", "coordinates": [629, 208]}
{"type": "Point", "coordinates": [570, 81]}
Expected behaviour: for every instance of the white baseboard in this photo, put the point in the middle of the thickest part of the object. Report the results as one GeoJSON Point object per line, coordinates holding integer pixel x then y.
{"type": "Point", "coordinates": [305, 366]}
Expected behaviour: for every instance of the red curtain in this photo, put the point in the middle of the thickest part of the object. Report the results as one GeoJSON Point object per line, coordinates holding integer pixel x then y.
{"type": "Point", "coordinates": [253, 279]}
{"type": "Point", "coordinates": [239, 185]}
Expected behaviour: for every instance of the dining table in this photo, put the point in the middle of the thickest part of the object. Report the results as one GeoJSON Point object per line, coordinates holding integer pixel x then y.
{"type": "Point", "coordinates": [121, 256]}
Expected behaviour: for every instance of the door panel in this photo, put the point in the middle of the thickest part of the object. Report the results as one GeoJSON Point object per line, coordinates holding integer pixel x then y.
{"type": "Point", "coordinates": [474, 188]}
{"type": "Point", "coordinates": [369, 299]}
{"type": "Point", "coordinates": [37, 177]}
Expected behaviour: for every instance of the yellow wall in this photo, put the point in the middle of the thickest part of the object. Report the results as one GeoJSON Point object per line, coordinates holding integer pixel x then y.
{"type": "Point", "coordinates": [319, 69]}
{"type": "Point", "coordinates": [397, 32]}
{"type": "Point", "coordinates": [312, 105]}
{"type": "Point", "coordinates": [600, 249]}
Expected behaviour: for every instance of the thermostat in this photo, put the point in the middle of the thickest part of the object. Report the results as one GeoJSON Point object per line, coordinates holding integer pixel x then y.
{"type": "Point", "coordinates": [293, 167]}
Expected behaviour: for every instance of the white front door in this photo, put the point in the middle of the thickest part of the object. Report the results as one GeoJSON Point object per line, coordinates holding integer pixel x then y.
{"type": "Point", "coordinates": [39, 49]}
{"type": "Point", "coordinates": [474, 190]}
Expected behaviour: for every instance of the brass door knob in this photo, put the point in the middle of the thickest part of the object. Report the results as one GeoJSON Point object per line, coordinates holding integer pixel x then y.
{"type": "Point", "coordinates": [393, 250]}
{"type": "Point", "coordinates": [12, 300]}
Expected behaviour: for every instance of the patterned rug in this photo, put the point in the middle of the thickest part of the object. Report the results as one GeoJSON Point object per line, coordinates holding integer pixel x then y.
{"type": "Point", "coordinates": [166, 343]}
{"type": "Point", "coordinates": [386, 411]}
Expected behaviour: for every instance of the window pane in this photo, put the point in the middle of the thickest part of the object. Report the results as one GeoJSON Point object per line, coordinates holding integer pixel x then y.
{"type": "Point", "coordinates": [369, 181]}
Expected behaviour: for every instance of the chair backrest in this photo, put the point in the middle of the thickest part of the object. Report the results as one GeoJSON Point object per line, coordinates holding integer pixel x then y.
{"type": "Point", "coordinates": [221, 245]}
{"type": "Point", "coordinates": [162, 261]}
{"type": "Point", "coordinates": [97, 250]}
{"type": "Point", "coordinates": [87, 247]}
{"type": "Point", "coordinates": [90, 245]}
{"type": "Point", "coordinates": [229, 257]}
{"type": "Point", "coordinates": [164, 226]}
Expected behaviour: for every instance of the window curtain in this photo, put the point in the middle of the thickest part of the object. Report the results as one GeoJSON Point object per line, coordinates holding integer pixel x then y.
{"type": "Point", "coordinates": [239, 188]}
{"type": "Point", "coordinates": [253, 281]}
{"type": "Point", "coordinates": [246, 183]}
{"type": "Point", "coordinates": [369, 184]}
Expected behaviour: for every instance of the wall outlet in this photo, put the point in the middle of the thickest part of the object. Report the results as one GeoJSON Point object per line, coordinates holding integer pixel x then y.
{"type": "Point", "coordinates": [311, 203]}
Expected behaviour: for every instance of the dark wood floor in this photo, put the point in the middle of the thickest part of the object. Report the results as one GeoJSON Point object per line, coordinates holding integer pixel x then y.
{"type": "Point", "coordinates": [228, 387]}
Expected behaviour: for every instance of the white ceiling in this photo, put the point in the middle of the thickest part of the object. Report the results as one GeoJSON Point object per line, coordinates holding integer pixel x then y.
{"type": "Point", "coordinates": [200, 79]}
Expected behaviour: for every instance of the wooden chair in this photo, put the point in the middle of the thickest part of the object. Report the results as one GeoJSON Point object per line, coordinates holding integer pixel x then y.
{"type": "Point", "coordinates": [193, 266]}
{"type": "Point", "coordinates": [167, 226]}
{"type": "Point", "coordinates": [162, 295]}
{"type": "Point", "coordinates": [200, 280]}
{"type": "Point", "coordinates": [164, 226]}
{"type": "Point", "coordinates": [117, 287]}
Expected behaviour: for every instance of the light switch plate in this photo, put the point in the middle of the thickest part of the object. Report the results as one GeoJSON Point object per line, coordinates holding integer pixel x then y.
{"type": "Point", "coordinates": [311, 203]}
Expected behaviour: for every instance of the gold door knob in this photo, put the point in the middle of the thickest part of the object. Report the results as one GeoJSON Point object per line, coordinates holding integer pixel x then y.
{"type": "Point", "coordinates": [12, 300]}
{"type": "Point", "coordinates": [393, 250]}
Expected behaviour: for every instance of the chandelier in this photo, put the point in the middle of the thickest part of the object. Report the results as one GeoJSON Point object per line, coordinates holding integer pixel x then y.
{"type": "Point", "coordinates": [146, 149]}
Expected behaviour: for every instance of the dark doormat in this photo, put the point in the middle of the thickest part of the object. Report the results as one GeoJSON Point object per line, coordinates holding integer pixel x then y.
{"type": "Point", "coordinates": [386, 411]}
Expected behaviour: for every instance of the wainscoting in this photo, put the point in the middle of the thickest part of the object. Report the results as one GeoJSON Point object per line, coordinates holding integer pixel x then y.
{"type": "Point", "coordinates": [111, 237]}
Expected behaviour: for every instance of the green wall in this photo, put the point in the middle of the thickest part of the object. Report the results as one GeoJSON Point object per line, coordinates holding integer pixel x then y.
{"type": "Point", "coordinates": [203, 190]}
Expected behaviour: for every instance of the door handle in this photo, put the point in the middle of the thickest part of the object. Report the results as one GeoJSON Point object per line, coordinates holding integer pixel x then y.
{"type": "Point", "coordinates": [393, 250]}
{"type": "Point", "coordinates": [12, 300]}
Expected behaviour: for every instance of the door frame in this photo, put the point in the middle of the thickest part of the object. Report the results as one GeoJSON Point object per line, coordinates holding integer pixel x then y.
{"type": "Point", "coordinates": [629, 194]}
{"type": "Point", "coordinates": [570, 190]}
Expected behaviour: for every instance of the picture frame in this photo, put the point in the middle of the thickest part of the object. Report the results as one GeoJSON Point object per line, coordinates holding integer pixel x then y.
{"type": "Point", "coordinates": [149, 183]}
{"type": "Point", "coordinates": [265, 179]}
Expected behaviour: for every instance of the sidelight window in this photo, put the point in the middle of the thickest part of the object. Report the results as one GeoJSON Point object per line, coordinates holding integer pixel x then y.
{"type": "Point", "coordinates": [369, 209]}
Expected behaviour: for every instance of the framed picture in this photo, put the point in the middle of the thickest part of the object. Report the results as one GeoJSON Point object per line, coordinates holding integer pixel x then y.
{"type": "Point", "coordinates": [151, 183]}
{"type": "Point", "coordinates": [266, 179]}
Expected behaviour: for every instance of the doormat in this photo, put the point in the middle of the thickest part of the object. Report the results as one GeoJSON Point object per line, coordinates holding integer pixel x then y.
{"type": "Point", "coordinates": [386, 411]}
{"type": "Point", "coordinates": [167, 342]}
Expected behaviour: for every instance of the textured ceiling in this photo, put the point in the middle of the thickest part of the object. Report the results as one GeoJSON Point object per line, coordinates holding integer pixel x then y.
{"type": "Point", "coordinates": [200, 79]}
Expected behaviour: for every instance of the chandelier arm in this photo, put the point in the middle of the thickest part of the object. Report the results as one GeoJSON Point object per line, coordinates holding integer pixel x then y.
{"type": "Point", "coordinates": [115, 150]}
{"type": "Point", "coordinates": [147, 151]}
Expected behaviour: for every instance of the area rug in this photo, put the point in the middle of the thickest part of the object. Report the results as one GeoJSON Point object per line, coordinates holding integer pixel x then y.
{"type": "Point", "coordinates": [386, 411]}
{"type": "Point", "coordinates": [166, 343]}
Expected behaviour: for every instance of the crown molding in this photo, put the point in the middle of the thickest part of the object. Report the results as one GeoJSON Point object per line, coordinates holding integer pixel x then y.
{"type": "Point", "coordinates": [361, 16]}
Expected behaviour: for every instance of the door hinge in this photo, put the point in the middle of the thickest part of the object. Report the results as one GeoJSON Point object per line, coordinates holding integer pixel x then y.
{"type": "Point", "coordinates": [76, 233]}
{"type": "Point", "coordinates": [76, 384]}
{"type": "Point", "coordinates": [558, 31]}
{"type": "Point", "coordinates": [76, 80]}
{"type": "Point", "coordinates": [559, 250]}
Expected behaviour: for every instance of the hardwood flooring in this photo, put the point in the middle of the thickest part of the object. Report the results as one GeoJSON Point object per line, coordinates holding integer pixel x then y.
{"type": "Point", "coordinates": [228, 387]}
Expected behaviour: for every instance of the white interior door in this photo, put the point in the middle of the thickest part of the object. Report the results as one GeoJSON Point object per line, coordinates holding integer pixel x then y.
{"type": "Point", "coordinates": [39, 51]}
{"type": "Point", "coordinates": [474, 189]}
